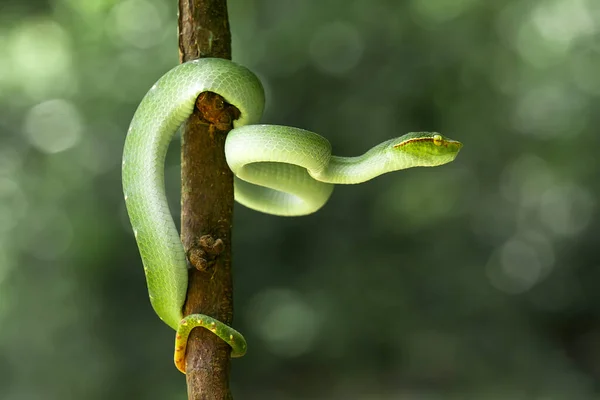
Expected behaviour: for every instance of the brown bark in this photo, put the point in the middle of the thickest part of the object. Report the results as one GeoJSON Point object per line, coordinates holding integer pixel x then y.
{"type": "Point", "coordinates": [207, 202]}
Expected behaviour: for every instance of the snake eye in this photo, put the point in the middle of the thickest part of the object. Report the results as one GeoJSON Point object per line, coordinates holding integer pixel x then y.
{"type": "Point", "coordinates": [438, 140]}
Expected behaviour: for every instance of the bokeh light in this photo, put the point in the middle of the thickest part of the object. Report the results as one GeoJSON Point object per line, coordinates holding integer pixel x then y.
{"type": "Point", "coordinates": [475, 280]}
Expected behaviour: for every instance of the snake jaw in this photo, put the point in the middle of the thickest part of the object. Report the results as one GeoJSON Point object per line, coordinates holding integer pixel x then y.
{"type": "Point", "coordinates": [426, 149]}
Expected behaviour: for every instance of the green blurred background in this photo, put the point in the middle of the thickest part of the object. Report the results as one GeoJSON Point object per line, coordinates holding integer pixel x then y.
{"type": "Point", "coordinates": [475, 280]}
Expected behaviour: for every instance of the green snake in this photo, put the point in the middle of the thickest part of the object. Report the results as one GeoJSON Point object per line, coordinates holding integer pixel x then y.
{"type": "Point", "coordinates": [278, 170]}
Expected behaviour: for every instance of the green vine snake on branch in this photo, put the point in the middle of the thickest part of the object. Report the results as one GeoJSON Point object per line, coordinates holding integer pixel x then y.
{"type": "Point", "coordinates": [278, 170]}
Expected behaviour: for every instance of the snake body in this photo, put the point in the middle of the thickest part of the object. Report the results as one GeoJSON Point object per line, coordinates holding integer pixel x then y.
{"type": "Point", "coordinates": [278, 170]}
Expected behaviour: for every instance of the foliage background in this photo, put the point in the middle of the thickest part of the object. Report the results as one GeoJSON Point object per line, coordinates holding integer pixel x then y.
{"type": "Point", "coordinates": [476, 280]}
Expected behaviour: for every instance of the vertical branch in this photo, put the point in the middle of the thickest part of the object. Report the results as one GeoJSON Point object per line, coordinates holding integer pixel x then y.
{"type": "Point", "coordinates": [207, 202]}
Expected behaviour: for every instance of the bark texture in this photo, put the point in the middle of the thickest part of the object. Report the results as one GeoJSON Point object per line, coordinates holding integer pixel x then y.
{"type": "Point", "coordinates": [207, 202]}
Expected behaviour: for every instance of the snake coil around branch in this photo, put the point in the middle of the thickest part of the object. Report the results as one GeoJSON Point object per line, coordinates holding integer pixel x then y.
{"type": "Point", "coordinates": [278, 170]}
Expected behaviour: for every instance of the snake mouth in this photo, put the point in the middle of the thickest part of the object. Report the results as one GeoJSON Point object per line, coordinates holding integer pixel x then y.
{"type": "Point", "coordinates": [428, 149]}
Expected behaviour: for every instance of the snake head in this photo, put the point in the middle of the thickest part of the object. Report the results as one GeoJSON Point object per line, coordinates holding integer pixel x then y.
{"type": "Point", "coordinates": [425, 149]}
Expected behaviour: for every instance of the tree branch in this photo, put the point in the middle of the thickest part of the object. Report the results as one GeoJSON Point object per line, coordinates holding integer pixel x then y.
{"type": "Point", "coordinates": [207, 202]}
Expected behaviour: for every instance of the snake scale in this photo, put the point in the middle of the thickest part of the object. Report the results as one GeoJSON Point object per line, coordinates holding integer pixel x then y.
{"type": "Point", "coordinates": [278, 170]}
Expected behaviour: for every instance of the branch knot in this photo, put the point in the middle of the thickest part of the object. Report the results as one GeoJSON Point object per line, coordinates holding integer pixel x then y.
{"type": "Point", "coordinates": [203, 254]}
